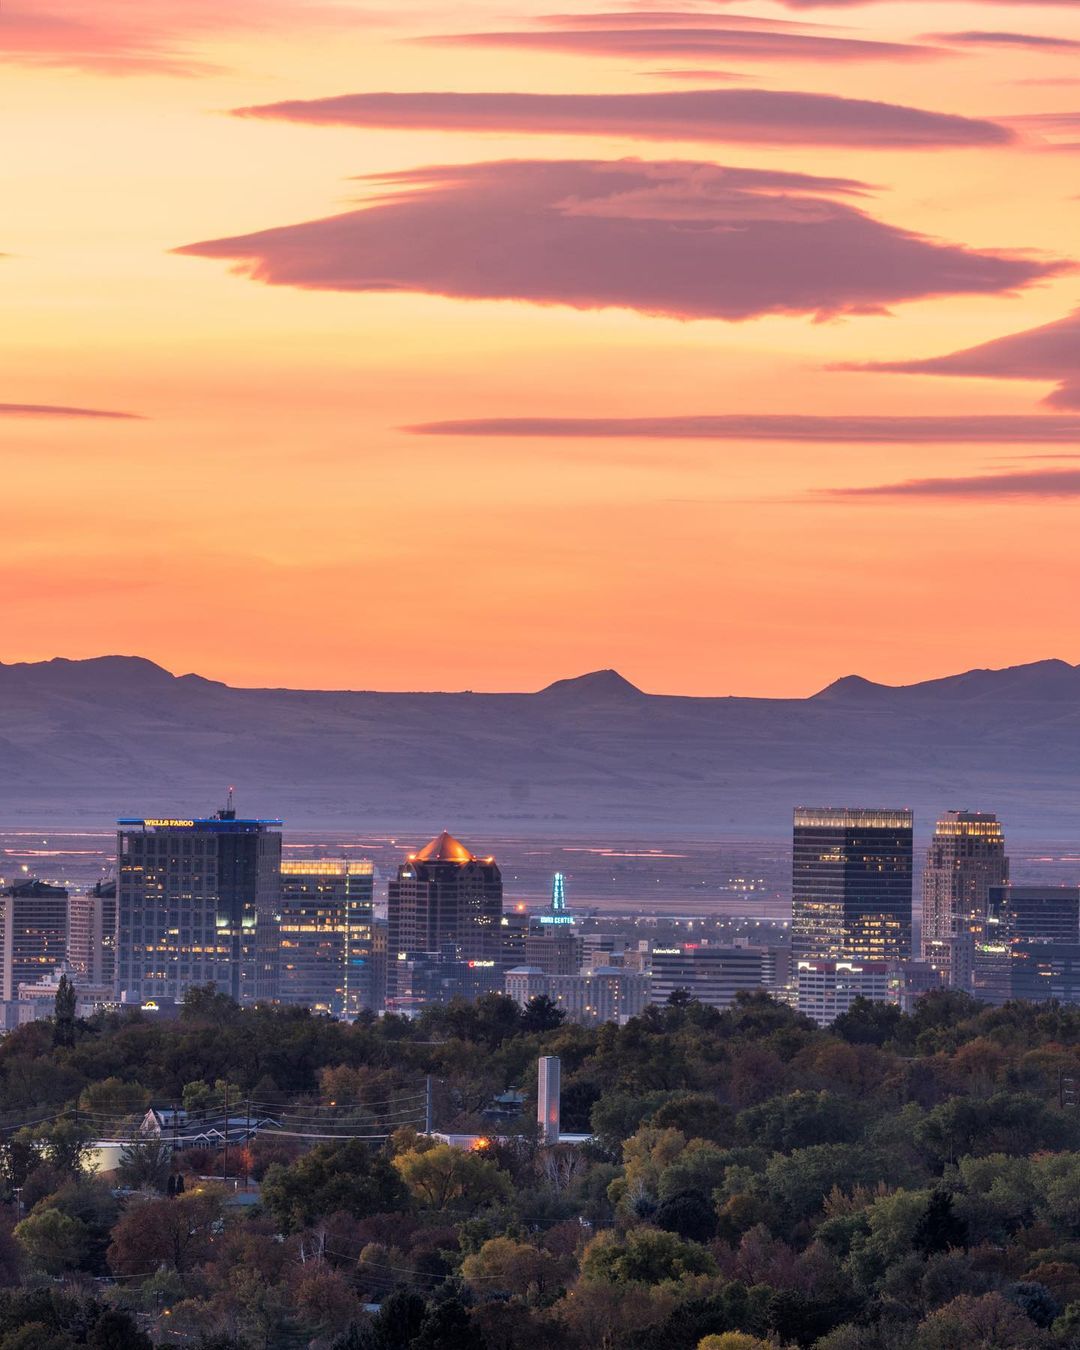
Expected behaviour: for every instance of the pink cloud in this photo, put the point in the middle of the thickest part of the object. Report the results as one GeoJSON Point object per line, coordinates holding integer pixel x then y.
{"type": "Point", "coordinates": [695, 43]}
{"type": "Point", "coordinates": [682, 239]}
{"type": "Point", "coordinates": [755, 115]}
{"type": "Point", "coordinates": [860, 430]}
{"type": "Point", "coordinates": [853, 4]}
{"type": "Point", "coordinates": [1033, 483]}
{"type": "Point", "coordinates": [118, 37]}
{"type": "Point", "coordinates": [983, 39]}
{"type": "Point", "coordinates": [1049, 353]}
{"type": "Point", "coordinates": [671, 18]}
{"type": "Point", "coordinates": [56, 410]}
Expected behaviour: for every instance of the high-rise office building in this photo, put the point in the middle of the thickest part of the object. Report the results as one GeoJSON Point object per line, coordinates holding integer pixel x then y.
{"type": "Point", "coordinates": [851, 884]}
{"type": "Point", "coordinates": [1037, 913]}
{"type": "Point", "coordinates": [197, 903]}
{"type": "Point", "coordinates": [33, 933]}
{"type": "Point", "coordinates": [91, 947]}
{"type": "Point", "coordinates": [965, 860]}
{"type": "Point", "coordinates": [1030, 948]}
{"type": "Point", "coordinates": [445, 897]}
{"type": "Point", "coordinates": [326, 935]}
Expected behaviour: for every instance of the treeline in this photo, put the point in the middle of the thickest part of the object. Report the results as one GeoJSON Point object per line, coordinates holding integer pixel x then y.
{"type": "Point", "coordinates": [893, 1182]}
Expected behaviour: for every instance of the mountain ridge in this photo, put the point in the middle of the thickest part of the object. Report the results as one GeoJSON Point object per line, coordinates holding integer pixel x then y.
{"type": "Point", "coordinates": [1051, 673]}
{"type": "Point", "coordinates": [594, 755]}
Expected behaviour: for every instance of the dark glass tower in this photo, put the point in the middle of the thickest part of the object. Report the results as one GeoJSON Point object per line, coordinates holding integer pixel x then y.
{"type": "Point", "coordinates": [33, 933]}
{"type": "Point", "coordinates": [851, 884]}
{"type": "Point", "coordinates": [197, 903]}
{"type": "Point", "coordinates": [445, 898]}
{"type": "Point", "coordinates": [1031, 946]}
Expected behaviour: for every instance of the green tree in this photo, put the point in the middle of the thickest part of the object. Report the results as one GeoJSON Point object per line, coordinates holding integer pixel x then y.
{"type": "Point", "coordinates": [643, 1256]}
{"type": "Point", "coordinates": [115, 1330]}
{"type": "Point", "coordinates": [506, 1266]}
{"type": "Point", "coordinates": [66, 1145]}
{"type": "Point", "coordinates": [399, 1319]}
{"type": "Point", "coordinates": [458, 1179]}
{"type": "Point", "coordinates": [64, 1009]}
{"type": "Point", "coordinates": [940, 1227]}
{"type": "Point", "coordinates": [52, 1242]}
{"type": "Point", "coordinates": [698, 1115]}
{"type": "Point", "coordinates": [801, 1119]}
{"type": "Point", "coordinates": [207, 1004]}
{"type": "Point", "coordinates": [689, 1214]}
{"type": "Point", "coordinates": [447, 1326]}
{"type": "Point", "coordinates": [37, 1336]}
{"type": "Point", "coordinates": [541, 1015]}
{"type": "Point", "coordinates": [345, 1178]}
{"type": "Point", "coordinates": [868, 1022]}
{"type": "Point", "coordinates": [145, 1164]}
{"type": "Point", "coordinates": [732, 1340]}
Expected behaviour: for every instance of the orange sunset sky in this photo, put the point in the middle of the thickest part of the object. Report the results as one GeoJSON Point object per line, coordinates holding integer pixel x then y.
{"type": "Point", "coordinates": [433, 392]}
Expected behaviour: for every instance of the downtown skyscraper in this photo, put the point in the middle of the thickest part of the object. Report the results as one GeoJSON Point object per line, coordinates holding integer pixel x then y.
{"type": "Point", "coordinates": [852, 884]}
{"type": "Point", "coordinates": [326, 925]}
{"type": "Point", "coordinates": [445, 900]}
{"type": "Point", "coordinates": [197, 903]}
{"type": "Point", "coordinates": [966, 858]}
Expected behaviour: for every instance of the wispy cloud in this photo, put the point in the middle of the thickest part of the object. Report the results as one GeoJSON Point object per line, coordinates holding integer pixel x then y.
{"type": "Point", "coordinates": [979, 430]}
{"type": "Point", "coordinates": [1050, 353]}
{"type": "Point", "coordinates": [754, 115]}
{"type": "Point", "coordinates": [682, 42]}
{"type": "Point", "coordinates": [1040, 484]}
{"type": "Point", "coordinates": [681, 239]}
{"type": "Point", "coordinates": [854, 4]}
{"type": "Point", "coordinates": [980, 38]}
{"type": "Point", "coordinates": [124, 37]}
{"type": "Point", "coordinates": [58, 410]}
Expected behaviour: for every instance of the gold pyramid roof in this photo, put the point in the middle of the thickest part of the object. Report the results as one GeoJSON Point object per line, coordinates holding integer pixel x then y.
{"type": "Point", "coordinates": [444, 848]}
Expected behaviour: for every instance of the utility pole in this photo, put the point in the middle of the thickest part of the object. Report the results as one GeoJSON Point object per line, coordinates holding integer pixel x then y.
{"type": "Point", "coordinates": [225, 1156]}
{"type": "Point", "coordinates": [247, 1145]}
{"type": "Point", "coordinates": [429, 1112]}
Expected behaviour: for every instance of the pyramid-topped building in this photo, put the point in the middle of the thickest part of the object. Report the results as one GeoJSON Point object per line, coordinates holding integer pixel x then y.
{"type": "Point", "coordinates": [444, 848]}
{"type": "Point", "coordinates": [443, 907]}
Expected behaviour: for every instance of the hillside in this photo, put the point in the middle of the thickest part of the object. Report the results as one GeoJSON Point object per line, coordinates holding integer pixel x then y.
{"type": "Point", "coordinates": [84, 741]}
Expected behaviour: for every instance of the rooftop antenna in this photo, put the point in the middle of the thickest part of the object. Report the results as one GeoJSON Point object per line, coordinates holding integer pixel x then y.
{"type": "Point", "coordinates": [229, 810]}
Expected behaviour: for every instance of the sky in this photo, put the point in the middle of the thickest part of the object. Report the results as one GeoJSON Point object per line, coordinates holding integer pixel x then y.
{"type": "Point", "coordinates": [385, 345]}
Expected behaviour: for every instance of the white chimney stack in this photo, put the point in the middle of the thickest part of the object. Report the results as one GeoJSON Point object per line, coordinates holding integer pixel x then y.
{"type": "Point", "coordinates": [549, 1089]}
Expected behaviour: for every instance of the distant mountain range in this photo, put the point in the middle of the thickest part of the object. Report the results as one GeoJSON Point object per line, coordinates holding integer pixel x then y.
{"type": "Point", "coordinates": [84, 741]}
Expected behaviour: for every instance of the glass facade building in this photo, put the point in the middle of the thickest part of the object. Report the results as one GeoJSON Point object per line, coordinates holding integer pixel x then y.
{"type": "Point", "coordinates": [445, 899]}
{"type": "Point", "coordinates": [965, 860]}
{"type": "Point", "coordinates": [1031, 945]}
{"type": "Point", "coordinates": [852, 883]}
{"type": "Point", "coordinates": [326, 935]}
{"type": "Point", "coordinates": [197, 903]}
{"type": "Point", "coordinates": [33, 933]}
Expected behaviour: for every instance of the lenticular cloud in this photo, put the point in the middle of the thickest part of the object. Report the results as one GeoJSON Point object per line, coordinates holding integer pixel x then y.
{"type": "Point", "coordinates": [681, 239]}
{"type": "Point", "coordinates": [1049, 353]}
{"type": "Point", "coordinates": [766, 115]}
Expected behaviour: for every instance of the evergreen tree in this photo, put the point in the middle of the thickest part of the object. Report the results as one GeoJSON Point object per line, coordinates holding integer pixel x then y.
{"type": "Point", "coordinates": [940, 1227]}
{"type": "Point", "coordinates": [66, 1002]}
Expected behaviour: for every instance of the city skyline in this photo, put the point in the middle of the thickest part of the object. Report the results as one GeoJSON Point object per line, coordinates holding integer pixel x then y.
{"type": "Point", "coordinates": [723, 309]}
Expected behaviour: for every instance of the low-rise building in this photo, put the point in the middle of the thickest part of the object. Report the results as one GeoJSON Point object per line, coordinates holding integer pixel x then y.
{"type": "Point", "coordinates": [826, 989]}
{"type": "Point", "coordinates": [712, 975]}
